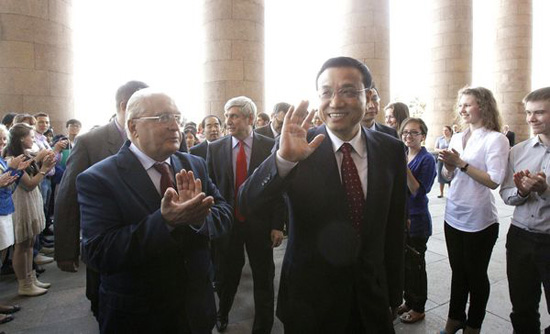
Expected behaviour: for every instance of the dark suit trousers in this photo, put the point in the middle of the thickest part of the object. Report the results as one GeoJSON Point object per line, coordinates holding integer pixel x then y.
{"type": "Point", "coordinates": [230, 257]}
{"type": "Point", "coordinates": [93, 280]}
{"type": "Point", "coordinates": [527, 266]}
{"type": "Point", "coordinates": [120, 318]}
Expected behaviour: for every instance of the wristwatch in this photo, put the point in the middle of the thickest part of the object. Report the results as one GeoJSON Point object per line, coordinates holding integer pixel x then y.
{"type": "Point", "coordinates": [465, 168]}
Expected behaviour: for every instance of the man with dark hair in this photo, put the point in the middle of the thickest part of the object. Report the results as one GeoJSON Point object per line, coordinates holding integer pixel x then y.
{"type": "Point", "coordinates": [273, 129]}
{"type": "Point", "coordinates": [373, 108]}
{"type": "Point", "coordinates": [211, 125]}
{"type": "Point", "coordinates": [262, 120]}
{"type": "Point", "coordinates": [73, 127]}
{"type": "Point", "coordinates": [41, 139]}
{"type": "Point", "coordinates": [345, 189]}
{"type": "Point", "coordinates": [526, 187]}
{"type": "Point", "coordinates": [231, 160]}
{"type": "Point", "coordinates": [7, 120]}
{"type": "Point", "coordinates": [89, 149]}
{"type": "Point", "coordinates": [148, 240]}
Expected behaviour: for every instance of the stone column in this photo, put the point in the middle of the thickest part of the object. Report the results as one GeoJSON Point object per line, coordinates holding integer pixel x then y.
{"type": "Point", "coordinates": [451, 62]}
{"type": "Point", "coordinates": [513, 62]}
{"type": "Point", "coordinates": [36, 58]}
{"type": "Point", "coordinates": [366, 36]}
{"type": "Point", "coordinates": [234, 62]}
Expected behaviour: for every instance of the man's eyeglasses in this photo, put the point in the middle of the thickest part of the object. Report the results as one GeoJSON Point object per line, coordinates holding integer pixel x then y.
{"type": "Point", "coordinates": [164, 118]}
{"type": "Point", "coordinates": [346, 93]}
{"type": "Point", "coordinates": [412, 133]}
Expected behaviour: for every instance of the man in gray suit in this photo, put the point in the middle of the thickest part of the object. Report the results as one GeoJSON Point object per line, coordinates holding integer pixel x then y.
{"type": "Point", "coordinates": [273, 129]}
{"type": "Point", "coordinates": [373, 108]}
{"type": "Point", "coordinates": [89, 149]}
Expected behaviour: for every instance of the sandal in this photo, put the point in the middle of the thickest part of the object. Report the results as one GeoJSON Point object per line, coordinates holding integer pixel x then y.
{"type": "Point", "coordinates": [402, 309]}
{"type": "Point", "coordinates": [411, 317]}
{"type": "Point", "coordinates": [5, 318]}
{"type": "Point", "coordinates": [9, 309]}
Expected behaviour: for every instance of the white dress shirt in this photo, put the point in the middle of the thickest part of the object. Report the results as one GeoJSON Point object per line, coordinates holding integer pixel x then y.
{"type": "Point", "coordinates": [148, 163]}
{"type": "Point", "coordinates": [471, 205]}
{"type": "Point", "coordinates": [532, 213]}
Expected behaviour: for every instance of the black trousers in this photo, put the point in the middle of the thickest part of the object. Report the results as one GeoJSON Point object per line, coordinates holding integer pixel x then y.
{"type": "Point", "coordinates": [230, 261]}
{"type": "Point", "coordinates": [528, 266]}
{"type": "Point", "coordinates": [416, 279]}
{"type": "Point", "coordinates": [93, 281]}
{"type": "Point", "coordinates": [469, 255]}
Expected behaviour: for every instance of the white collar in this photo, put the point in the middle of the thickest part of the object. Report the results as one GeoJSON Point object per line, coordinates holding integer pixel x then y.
{"type": "Point", "coordinates": [145, 160]}
{"type": "Point", "coordinates": [360, 146]}
{"type": "Point", "coordinates": [247, 141]}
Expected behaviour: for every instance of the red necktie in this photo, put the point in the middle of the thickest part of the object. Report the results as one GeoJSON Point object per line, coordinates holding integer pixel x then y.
{"type": "Point", "coordinates": [166, 178]}
{"type": "Point", "coordinates": [354, 190]}
{"type": "Point", "coordinates": [240, 176]}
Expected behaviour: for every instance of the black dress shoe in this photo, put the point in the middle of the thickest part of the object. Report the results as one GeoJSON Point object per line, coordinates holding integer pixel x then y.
{"type": "Point", "coordinates": [221, 323]}
{"type": "Point", "coordinates": [39, 269]}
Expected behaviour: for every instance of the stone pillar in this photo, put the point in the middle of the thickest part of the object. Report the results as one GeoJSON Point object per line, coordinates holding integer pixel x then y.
{"type": "Point", "coordinates": [366, 36]}
{"type": "Point", "coordinates": [513, 62]}
{"type": "Point", "coordinates": [234, 61]}
{"type": "Point", "coordinates": [36, 58]}
{"type": "Point", "coordinates": [451, 62]}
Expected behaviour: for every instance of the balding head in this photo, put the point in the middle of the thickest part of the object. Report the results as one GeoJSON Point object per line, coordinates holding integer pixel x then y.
{"type": "Point", "coordinates": [152, 123]}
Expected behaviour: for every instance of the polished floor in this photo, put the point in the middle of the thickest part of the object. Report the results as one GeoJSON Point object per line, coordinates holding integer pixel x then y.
{"type": "Point", "coordinates": [64, 309]}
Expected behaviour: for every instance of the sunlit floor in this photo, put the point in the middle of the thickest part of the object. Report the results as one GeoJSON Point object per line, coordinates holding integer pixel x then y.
{"type": "Point", "coordinates": [65, 309]}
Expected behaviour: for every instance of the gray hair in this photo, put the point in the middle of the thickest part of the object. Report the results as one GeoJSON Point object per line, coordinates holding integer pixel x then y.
{"type": "Point", "coordinates": [137, 104]}
{"type": "Point", "coordinates": [245, 104]}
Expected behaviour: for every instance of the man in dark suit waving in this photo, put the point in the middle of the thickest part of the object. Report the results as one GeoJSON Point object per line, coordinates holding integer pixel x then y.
{"type": "Point", "coordinates": [230, 160]}
{"type": "Point", "coordinates": [345, 188]}
{"type": "Point", "coordinates": [149, 242]}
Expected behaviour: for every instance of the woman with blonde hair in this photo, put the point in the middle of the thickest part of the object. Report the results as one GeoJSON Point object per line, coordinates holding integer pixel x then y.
{"type": "Point", "coordinates": [476, 162]}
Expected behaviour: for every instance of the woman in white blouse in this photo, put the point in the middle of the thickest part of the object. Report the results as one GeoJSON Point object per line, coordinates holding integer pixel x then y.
{"type": "Point", "coordinates": [475, 162]}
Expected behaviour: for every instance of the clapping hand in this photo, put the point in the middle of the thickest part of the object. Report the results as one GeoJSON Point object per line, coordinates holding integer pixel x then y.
{"type": "Point", "coordinates": [527, 182]}
{"type": "Point", "coordinates": [6, 179]}
{"type": "Point", "coordinates": [294, 146]}
{"type": "Point", "coordinates": [451, 159]}
{"type": "Point", "coordinates": [48, 161]}
{"type": "Point", "coordinates": [189, 205]}
{"type": "Point", "coordinates": [19, 162]}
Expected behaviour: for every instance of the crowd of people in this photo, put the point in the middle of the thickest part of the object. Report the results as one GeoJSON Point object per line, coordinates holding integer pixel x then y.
{"type": "Point", "coordinates": [32, 163]}
{"type": "Point", "coordinates": [162, 230]}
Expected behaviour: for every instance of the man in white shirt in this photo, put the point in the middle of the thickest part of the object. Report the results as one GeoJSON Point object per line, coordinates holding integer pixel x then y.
{"type": "Point", "coordinates": [526, 186]}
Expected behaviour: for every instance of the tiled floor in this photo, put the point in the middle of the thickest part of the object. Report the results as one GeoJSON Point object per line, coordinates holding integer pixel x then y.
{"type": "Point", "coordinates": [64, 309]}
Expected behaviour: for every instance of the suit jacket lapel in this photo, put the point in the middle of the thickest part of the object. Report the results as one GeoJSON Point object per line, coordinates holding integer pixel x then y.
{"type": "Point", "coordinates": [375, 180]}
{"type": "Point", "coordinates": [256, 155]}
{"type": "Point", "coordinates": [114, 140]}
{"type": "Point", "coordinates": [324, 161]}
{"type": "Point", "coordinates": [227, 153]}
{"type": "Point", "coordinates": [134, 175]}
